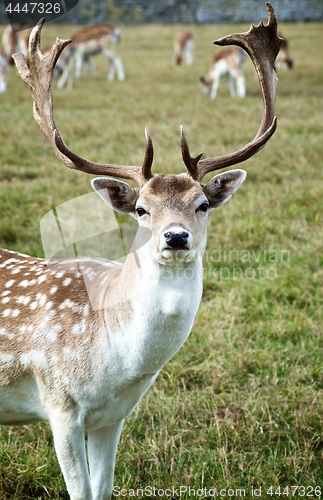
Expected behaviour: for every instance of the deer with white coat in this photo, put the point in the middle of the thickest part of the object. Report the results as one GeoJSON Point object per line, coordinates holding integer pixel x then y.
{"type": "Point", "coordinates": [87, 42]}
{"type": "Point", "coordinates": [226, 63]}
{"type": "Point", "coordinates": [82, 356]}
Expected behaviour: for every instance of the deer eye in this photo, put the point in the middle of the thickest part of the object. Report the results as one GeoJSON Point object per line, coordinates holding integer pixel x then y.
{"type": "Point", "coordinates": [141, 211]}
{"type": "Point", "coordinates": [203, 207]}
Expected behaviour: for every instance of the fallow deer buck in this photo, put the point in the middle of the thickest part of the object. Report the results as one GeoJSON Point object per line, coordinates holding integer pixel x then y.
{"type": "Point", "coordinates": [183, 47]}
{"type": "Point", "coordinates": [227, 62]}
{"type": "Point", "coordinates": [86, 43]}
{"type": "Point", "coordinates": [83, 339]}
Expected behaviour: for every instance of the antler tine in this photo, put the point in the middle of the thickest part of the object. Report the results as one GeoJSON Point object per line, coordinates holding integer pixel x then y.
{"type": "Point", "coordinates": [148, 158]}
{"type": "Point", "coordinates": [262, 44]}
{"type": "Point", "coordinates": [190, 161]}
{"type": "Point", "coordinates": [38, 76]}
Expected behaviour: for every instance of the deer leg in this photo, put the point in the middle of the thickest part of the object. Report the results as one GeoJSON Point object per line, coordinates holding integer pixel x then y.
{"type": "Point", "coordinates": [66, 76]}
{"type": "Point", "coordinates": [115, 65]}
{"type": "Point", "coordinates": [214, 87]}
{"type": "Point", "coordinates": [119, 67]}
{"type": "Point", "coordinates": [231, 84]}
{"type": "Point", "coordinates": [78, 64]}
{"type": "Point", "coordinates": [189, 54]}
{"type": "Point", "coordinates": [241, 86]}
{"type": "Point", "coordinates": [3, 84]}
{"type": "Point", "coordinates": [240, 81]}
{"type": "Point", "coordinates": [102, 448]}
{"type": "Point", "coordinates": [112, 70]}
{"type": "Point", "coordinates": [91, 67]}
{"type": "Point", "coordinates": [69, 441]}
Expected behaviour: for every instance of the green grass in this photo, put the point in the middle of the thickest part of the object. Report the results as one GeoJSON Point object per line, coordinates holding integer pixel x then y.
{"type": "Point", "coordinates": [240, 406]}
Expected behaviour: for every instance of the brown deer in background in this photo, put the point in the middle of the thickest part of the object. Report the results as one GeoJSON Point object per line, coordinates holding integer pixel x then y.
{"type": "Point", "coordinates": [183, 47]}
{"type": "Point", "coordinates": [86, 43]}
{"type": "Point", "coordinates": [227, 62]}
{"type": "Point", "coordinates": [284, 59]}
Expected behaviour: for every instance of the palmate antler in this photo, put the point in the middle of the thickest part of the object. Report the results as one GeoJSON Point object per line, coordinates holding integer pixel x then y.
{"type": "Point", "coordinates": [261, 43]}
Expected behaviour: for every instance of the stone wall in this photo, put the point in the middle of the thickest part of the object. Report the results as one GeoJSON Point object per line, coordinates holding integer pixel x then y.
{"type": "Point", "coordinates": [184, 11]}
{"type": "Point", "coordinates": [196, 11]}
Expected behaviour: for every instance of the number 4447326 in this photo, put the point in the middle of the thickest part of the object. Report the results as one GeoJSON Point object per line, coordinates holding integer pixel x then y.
{"type": "Point", "coordinates": [293, 491]}
{"type": "Point", "coordinates": [34, 7]}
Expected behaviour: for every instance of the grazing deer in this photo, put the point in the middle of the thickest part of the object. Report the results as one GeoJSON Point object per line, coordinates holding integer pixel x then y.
{"type": "Point", "coordinates": [3, 71]}
{"type": "Point", "coordinates": [86, 43]}
{"type": "Point", "coordinates": [83, 339]}
{"type": "Point", "coordinates": [284, 59]}
{"type": "Point", "coordinates": [227, 62]}
{"type": "Point", "coordinates": [15, 39]}
{"type": "Point", "coordinates": [184, 47]}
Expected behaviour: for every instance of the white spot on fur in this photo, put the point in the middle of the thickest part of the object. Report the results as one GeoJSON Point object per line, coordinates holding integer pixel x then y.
{"type": "Point", "coordinates": [33, 358]}
{"type": "Point", "coordinates": [51, 336]}
{"type": "Point", "coordinates": [17, 270]}
{"type": "Point", "coordinates": [7, 358]}
{"type": "Point", "coordinates": [26, 283]}
{"type": "Point", "coordinates": [24, 300]}
{"type": "Point", "coordinates": [70, 305]}
{"type": "Point", "coordinates": [67, 281]}
{"type": "Point", "coordinates": [79, 328]}
{"type": "Point", "coordinates": [9, 283]}
{"type": "Point", "coordinates": [68, 354]}
{"type": "Point", "coordinates": [41, 299]}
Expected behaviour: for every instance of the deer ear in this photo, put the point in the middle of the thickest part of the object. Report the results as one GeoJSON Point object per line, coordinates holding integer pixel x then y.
{"type": "Point", "coordinates": [222, 186]}
{"type": "Point", "coordinates": [117, 194]}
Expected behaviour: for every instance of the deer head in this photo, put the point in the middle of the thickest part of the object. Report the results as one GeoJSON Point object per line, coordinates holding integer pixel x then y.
{"type": "Point", "coordinates": [182, 193]}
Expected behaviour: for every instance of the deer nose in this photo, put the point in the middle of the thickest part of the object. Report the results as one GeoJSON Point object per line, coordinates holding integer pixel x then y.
{"type": "Point", "coordinates": [176, 239]}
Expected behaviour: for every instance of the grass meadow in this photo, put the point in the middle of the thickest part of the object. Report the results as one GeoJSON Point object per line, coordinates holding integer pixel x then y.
{"type": "Point", "coordinates": [239, 408]}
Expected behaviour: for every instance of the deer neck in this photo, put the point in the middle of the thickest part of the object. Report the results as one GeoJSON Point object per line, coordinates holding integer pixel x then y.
{"type": "Point", "coordinates": [150, 281]}
{"type": "Point", "coordinates": [158, 304]}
